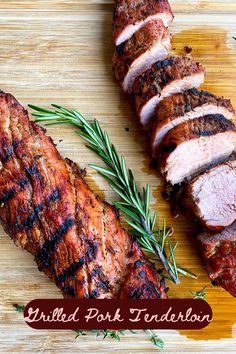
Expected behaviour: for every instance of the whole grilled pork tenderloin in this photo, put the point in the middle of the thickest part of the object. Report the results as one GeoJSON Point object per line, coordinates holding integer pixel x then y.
{"type": "Point", "coordinates": [48, 209]}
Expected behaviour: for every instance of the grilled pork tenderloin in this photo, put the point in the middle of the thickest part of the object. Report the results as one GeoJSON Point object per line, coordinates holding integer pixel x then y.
{"type": "Point", "coordinates": [182, 107]}
{"type": "Point", "coordinates": [47, 208]}
{"type": "Point", "coordinates": [164, 79]}
{"type": "Point", "coordinates": [219, 254]}
{"type": "Point", "coordinates": [193, 146]}
{"type": "Point", "coordinates": [211, 197]}
{"type": "Point", "coordinates": [131, 58]}
{"type": "Point", "coordinates": [130, 15]}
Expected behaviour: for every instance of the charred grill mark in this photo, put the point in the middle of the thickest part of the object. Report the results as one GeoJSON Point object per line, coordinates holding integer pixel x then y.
{"type": "Point", "coordinates": [195, 92]}
{"type": "Point", "coordinates": [25, 225]}
{"type": "Point", "coordinates": [120, 49]}
{"type": "Point", "coordinates": [217, 123]}
{"type": "Point", "coordinates": [6, 153]}
{"type": "Point", "coordinates": [69, 290]}
{"type": "Point", "coordinates": [70, 271]}
{"type": "Point", "coordinates": [44, 255]}
{"type": "Point", "coordinates": [38, 208]}
{"type": "Point", "coordinates": [138, 263]}
{"type": "Point", "coordinates": [92, 250]}
{"type": "Point", "coordinates": [53, 197]}
{"type": "Point", "coordinates": [162, 64]}
{"type": "Point", "coordinates": [94, 294]}
{"type": "Point", "coordinates": [23, 182]}
{"type": "Point", "coordinates": [103, 284]}
{"type": "Point", "coordinates": [169, 148]}
{"type": "Point", "coordinates": [147, 290]}
{"type": "Point", "coordinates": [15, 143]}
{"type": "Point", "coordinates": [96, 271]}
{"type": "Point", "coordinates": [6, 196]}
{"type": "Point", "coordinates": [142, 274]}
{"type": "Point", "coordinates": [33, 170]}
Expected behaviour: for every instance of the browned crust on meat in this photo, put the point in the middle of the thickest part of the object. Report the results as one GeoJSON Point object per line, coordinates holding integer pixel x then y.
{"type": "Point", "coordinates": [128, 12]}
{"type": "Point", "coordinates": [179, 104]}
{"type": "Point", "coordinates": [193, 129]}
{"type": "Point", "coordinates": [48, 209]}
{"type": "Point", "coordinates": [219, 254]}
{"type": "Point", "coordinates": [162, 73]}
{"type": "Point", "coordinates": [142, 40]}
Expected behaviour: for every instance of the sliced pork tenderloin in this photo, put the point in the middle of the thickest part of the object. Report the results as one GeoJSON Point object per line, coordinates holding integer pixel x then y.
{"type": "Point", "coordinates": [182, 107]}
{"type": "Point", "coordinates": [130, 15]}
{"type": "Point", "coordinates": [211, 197]}
{"type": "Point", "coordinates": [163, 79]}
{"type": "Point", "coordinates": [193, 146]}
{"type": "Point", "coordinates": [219, 254]}
{"type": "Point", "coordinates": [148, 45]}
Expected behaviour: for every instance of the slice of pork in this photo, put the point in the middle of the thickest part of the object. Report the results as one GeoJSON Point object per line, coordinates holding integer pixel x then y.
{"type": "Point", "coordinates": [131, 58]}
{"type": "Point", "coordinates": [130, 15]}
{"type": "Point", "coordinates": [193, 146]}
{"type": "Point", "coordinates": [219, 254]}
{"type": "Point", "coordinates": [163, 79]}
{"type": "Point", "coordinates": [211, 197]}
{"type": "Point", "coordinates": [182, 107]}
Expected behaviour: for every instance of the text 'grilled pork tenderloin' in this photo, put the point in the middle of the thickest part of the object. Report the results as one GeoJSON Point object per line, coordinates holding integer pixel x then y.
{"type": "Point", "coordinates": [219, 254]}
{"type": "Point", "coordinates": [193, 146]}
{"type": "Point", "coordinates": [163, 79]}
{"type": "Point", "coordinates": [185, 106]}
{"type": "Point", "coordinates": [211, 197]}
{"type": "Point", "coordinates": [48, 209]}
{"type": "Point", "coordinates": [132, 57]}
{"type": "Point", "coordinates": [130, 15]}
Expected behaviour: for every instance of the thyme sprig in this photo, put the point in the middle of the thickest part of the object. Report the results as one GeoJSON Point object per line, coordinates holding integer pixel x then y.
{"type": "Point", "coordinates": [135, 205]}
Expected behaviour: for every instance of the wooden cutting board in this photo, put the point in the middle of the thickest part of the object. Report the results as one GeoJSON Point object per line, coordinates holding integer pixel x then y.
{"type": "Point", "coordinates": [60, 51]}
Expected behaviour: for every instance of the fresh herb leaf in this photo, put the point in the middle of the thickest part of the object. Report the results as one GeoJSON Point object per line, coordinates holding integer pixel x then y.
{"type": "Point", "coordinates": [201, 294]}
{"type": "Point", "coordinates": [116, 335]}
{"type": "Point", "coordinates": [135, 206]}
{"type": "Point", "coordinates": [158, 342]}
{"type": "Point", "coordinates": [19, 308]}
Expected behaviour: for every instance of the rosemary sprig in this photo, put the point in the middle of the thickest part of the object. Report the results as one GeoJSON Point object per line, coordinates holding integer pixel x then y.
{"type": "Point", "coordinates": [135, 205]}
{"type": "Point", "coordinates": [201, 294]}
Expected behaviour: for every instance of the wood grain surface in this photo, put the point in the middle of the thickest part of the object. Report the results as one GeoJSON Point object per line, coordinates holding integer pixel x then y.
{"type": "Point", "coordinates": [59, 51]}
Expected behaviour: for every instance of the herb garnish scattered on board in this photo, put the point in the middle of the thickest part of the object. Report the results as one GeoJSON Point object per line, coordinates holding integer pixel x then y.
{"type": "Point", "coordinates": [135, 205]}
{"type": "Point", "coordinates": [116, 335]}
